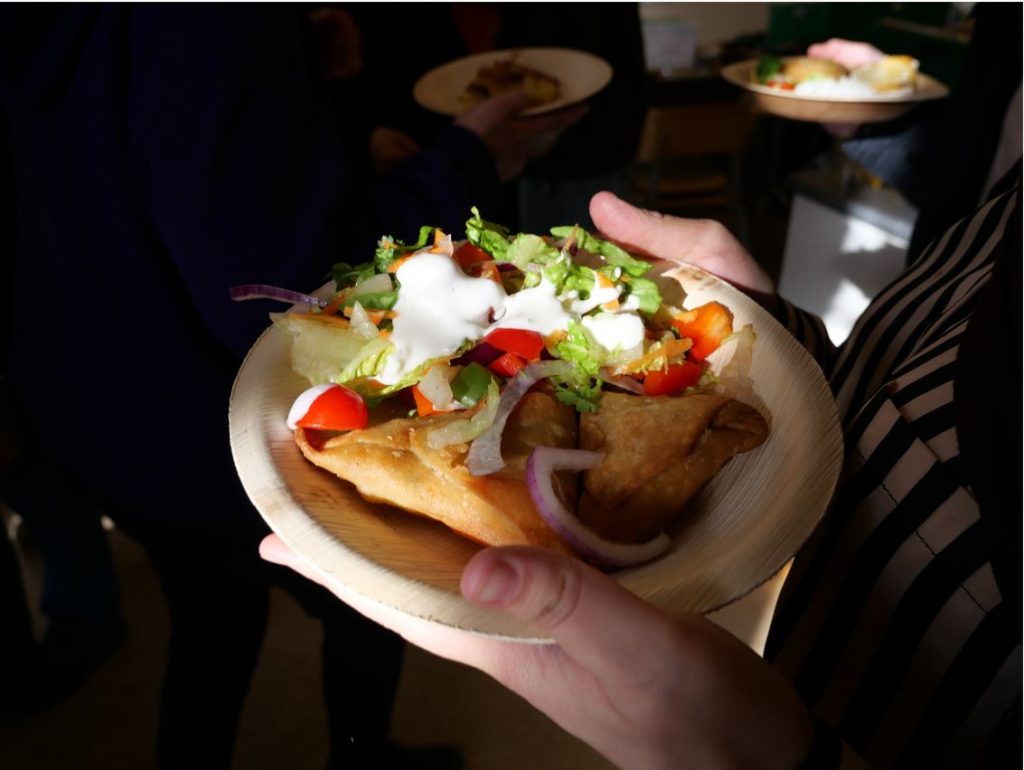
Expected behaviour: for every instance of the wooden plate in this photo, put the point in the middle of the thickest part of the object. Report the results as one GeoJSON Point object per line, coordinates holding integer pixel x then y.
{"type": "Point", "coordinates": [736, 534]}
{"type": "Point", "coordinates": [580, 75]}
{"type": "Point", "coordinates": [840, 109]}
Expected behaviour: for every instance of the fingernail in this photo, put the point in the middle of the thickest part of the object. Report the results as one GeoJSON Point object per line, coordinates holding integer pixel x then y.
{"type": "Point", "coordinates": [498, 585]}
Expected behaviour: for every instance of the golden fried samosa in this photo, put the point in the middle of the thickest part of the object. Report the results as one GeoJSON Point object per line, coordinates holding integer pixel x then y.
{"type": "Point", "coordinates": [392, 463]}
{"type": "Point", "coordinates": [658, 452]}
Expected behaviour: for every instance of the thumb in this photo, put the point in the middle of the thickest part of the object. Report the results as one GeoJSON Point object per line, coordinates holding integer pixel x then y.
{"type": "Point", "coordinates": [494, 111]}
{"type": "Point", "coordinates": [644, 232]}
{"type": "Point", "coordinates": [702, 242]}
{"type": "Point", "coordinates": [593, 619]}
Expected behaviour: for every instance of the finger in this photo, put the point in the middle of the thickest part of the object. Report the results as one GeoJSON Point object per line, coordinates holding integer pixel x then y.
{"type": "Point", "coordinates": [593, 619]}
{"type": "Point", "coordinates": [647, 233]}
{"type": "Point", "coordinates": [556, 120]}
{"type": "Point", "coordinates": [274, 550]}
{"type": "Point", "coordinates": [507, 104]}
{"type": "Point", "coordinates": [702, 242]}
{"type": "Point", "coordinates": [450, 643]}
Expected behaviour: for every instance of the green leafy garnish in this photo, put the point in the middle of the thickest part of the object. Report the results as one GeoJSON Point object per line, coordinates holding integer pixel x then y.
{"type": "Point", "coordinates": [767, 68]}
{"type": "Point", "coordinates": [614, 255]}
{"type": "Point", "coordinates": [582, 388]}
{"type": "Point", "coordinates": [491, 237]}
{"type": "Point", "coordinates": [388, 250]}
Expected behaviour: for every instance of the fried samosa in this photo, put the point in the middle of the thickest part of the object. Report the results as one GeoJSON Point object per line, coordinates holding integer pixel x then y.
{"type": "Point", "coordinates": [392, 463]}
{"type": "Point", "coordinates": [658, 453]}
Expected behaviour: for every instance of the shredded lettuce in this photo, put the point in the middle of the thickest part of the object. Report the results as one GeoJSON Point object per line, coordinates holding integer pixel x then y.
{"type": "Point", "coordinates": [320, 350]}
{"type": "Point", "coordinates": [368, 362]}
{"type": "Point", "coordinates": [614, 255]}
{"type": "Point", "coordinates": [465, 430]}
{"type": "Point", "coordinates": [648, 297]}
{"type": "Point", "coordinates": [388, 250]}
{"type": "Point", "coordinates": [582, 388]}
{"type": "Point", "coordinates": [491, 237]}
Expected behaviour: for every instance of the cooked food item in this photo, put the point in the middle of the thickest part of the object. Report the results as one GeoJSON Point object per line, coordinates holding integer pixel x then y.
{"type": "Point", "coordinates": [515, 362]}
{"type": "Point", "coordinates": [658, 453]}
{"type": "Point", "coordinates": [802, 68]}
{"type": "Point", "coordinates": [508, 74]}
{"type": "Point", "coordinates": [394, 463]}
{"type": "Point", "coordinates": [790, 72]}
{"type": "Point", "coordinates": [890, 73]}
{"type": "Point", "coordinates": [889, 76]}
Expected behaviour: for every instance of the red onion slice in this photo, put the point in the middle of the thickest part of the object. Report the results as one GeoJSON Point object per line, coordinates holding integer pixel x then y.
{"type": "Point", "coordinates": [263, 291]}
{"type": "Point", "coordinates": [485, 452]}
{"type": "Point", "coordinates": [623, 382]}
{"type": "Point", "coordinates": [540, 467]}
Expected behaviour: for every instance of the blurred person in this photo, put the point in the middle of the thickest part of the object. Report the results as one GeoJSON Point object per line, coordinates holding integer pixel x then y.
{"type": "Point", "coordinates": [163, 154]}
{"type": "Point", "coordinates": [944, 157]}
{"type": "Point", "coordinates": [897, 638]}
{"type": "Point", "coordinates": [79, 596]}
{"type": "Point", "coordinates": [593, 154]}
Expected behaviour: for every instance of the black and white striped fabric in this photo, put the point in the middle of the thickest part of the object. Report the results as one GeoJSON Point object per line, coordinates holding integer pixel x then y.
{"type": "Point", "coordinates": [891, 623]}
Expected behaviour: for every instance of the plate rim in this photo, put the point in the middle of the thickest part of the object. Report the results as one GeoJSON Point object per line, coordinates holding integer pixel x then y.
{"type": "Point", "coordinates": [735, 73]}
{"type": "Point", "coordinates": [296, 526]}
{"type": "Point", "coordinates": [485, 56]}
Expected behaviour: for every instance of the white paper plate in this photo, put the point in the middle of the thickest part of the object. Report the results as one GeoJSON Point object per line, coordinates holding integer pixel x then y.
{"type": "Point", "coordinates": [580, 75]}
{"type": "Point", "coordinates": [736, 534]}
{"type": "Point", "coordinates": [838, 109]}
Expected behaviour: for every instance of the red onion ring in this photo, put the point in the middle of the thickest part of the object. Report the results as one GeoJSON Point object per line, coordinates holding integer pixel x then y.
{"type": "Point", "coordinates": [623, 382]}
{"type": "Point", "coordinates": [263, 291]}
{"type": "Point", "coordinates": [485, 452]}
{"type": "Point", "coordinates": [540, 468]}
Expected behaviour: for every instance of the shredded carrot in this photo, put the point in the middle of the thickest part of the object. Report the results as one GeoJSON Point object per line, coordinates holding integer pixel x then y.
{"type": "Point", "coordinates": [604, 282]}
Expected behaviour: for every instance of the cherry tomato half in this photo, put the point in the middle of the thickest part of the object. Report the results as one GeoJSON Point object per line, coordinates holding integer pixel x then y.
{"type": "Point", "coordinates": [468, 255]}
{"type": "Point", "coordinates": [332, 407]}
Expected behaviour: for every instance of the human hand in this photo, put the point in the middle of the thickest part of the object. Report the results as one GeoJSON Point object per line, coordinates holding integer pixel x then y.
{"type": "Point", "coordinates": [849, 53]}
{"type": "Point", "coordinates": [514, 139]}
{"type": "Point", "coordinates": [702, 242]}
{"type": "Point", "coordinates": [645, 688]}
{"type": "Point", "coordinates": [389, 147]}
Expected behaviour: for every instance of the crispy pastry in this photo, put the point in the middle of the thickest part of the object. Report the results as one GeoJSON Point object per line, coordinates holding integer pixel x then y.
{"type": "Point", "coordinates": [393, 464]}
{"type": "Point", "coordinates": [890, 73]}
{"type": "Point", "coordinates": [802, 68]}
{"type": "Point", "coordinates": [658, 452]}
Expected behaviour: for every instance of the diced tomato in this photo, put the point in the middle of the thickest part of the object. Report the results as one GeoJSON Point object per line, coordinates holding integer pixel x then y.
{"type": "Point", "coordinates": [424, 406]}
{"type": "Point", "coordinates": [668, 382]}
{"type": "Point", "coordinates": [467, 255]}
{"type": "Point", "coordinates": [486, 270]}
{"type": "Point", "coordinates": [707, 326]}
{"type": "Point", "coordinates": [337, 408]}
{"type": "Point", "coordinates": [507, 365]}
{"type": "Point", "coordinates": [523, 343]}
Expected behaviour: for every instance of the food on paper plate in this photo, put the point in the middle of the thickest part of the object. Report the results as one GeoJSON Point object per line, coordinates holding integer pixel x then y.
{"type": "Point", "coordinates": [892, 76]}
{"type": "Point", "coordinates": [508, 74]}
{"type": "Point", "coordinates": [520, 389]}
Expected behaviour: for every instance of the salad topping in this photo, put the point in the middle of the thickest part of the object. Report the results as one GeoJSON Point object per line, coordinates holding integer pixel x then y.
{"type": "Point", "coordinates": [453, 323]}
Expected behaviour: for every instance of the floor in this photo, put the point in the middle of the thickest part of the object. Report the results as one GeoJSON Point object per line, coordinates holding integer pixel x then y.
{"type": "Point", "coordinates": [109, 723]}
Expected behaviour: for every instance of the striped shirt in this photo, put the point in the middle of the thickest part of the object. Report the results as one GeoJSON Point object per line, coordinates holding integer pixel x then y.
{"type": "Point", "coordinates": [891, 624]}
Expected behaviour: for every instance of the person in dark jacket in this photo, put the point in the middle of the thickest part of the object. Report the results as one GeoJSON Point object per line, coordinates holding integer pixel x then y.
{"type": "Point", "coordinates": [161, 155]}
